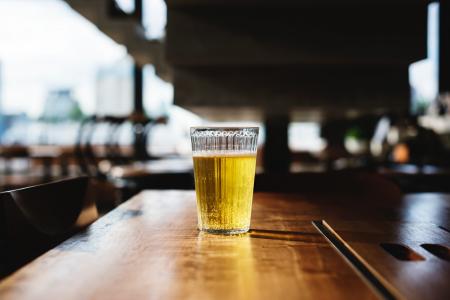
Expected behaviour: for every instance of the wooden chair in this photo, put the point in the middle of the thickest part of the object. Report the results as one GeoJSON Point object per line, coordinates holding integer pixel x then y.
{"type": "Point", "coordinates": [37, 218]}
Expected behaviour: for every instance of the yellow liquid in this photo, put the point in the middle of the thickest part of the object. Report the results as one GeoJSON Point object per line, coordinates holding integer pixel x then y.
{"type": "Point", "coordinates": [224, 187]}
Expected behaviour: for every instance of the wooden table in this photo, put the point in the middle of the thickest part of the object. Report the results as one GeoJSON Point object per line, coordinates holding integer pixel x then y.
{"type": "Point", "coordinates": [149, 247]}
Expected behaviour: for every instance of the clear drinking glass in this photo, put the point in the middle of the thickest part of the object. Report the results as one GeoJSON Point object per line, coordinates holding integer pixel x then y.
{"type": "Point", "coordinates": [224, 170]}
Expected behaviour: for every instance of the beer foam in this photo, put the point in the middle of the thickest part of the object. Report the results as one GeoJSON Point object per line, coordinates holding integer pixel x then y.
{"type": "Point", "coordinates": [224, 153]}
{"type": "Point", "coordinates": [218, 132]}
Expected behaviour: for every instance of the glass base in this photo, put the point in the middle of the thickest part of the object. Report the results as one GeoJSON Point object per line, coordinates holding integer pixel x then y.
{"type": "Point", "coordinates": [225, 231]}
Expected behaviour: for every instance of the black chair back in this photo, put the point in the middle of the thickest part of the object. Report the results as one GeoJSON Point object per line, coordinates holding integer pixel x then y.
{"type": "Point", "coordinates": [37, 218]}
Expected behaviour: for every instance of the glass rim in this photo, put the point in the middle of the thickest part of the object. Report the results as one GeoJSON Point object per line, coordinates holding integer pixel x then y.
{"type": "Point", "coordinates": [220, 138]}
{"type": "Point", "coordinates": [224, 127]}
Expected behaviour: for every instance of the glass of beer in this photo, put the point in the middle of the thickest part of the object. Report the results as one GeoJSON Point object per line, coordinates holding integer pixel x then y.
{"type": "Point", "coordinates": [224, 170]}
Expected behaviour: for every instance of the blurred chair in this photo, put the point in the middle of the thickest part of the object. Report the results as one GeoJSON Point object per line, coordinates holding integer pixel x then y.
{"type": "Point", "coordinates": [97, 155]}
{"type": "Point", "coordinates": [114, 169]}
{"type": "Point", "coordinates": [87, 153]}
{"type": "Point", "coordinates": [37, 218]}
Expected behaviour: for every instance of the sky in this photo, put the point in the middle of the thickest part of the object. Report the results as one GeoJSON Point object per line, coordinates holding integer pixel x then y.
{"type": "Point", "coordinates": [44, 44]}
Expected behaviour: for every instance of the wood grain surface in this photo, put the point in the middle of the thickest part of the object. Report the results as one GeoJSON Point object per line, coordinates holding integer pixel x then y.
{"type": "Point", "coordinates": [406, 266]}
{"type": "Point", "coordinates": [149, 247]}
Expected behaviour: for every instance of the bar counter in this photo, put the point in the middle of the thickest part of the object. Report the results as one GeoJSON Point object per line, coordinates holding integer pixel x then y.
{"type": "Point", "coordinates": [149, 247]}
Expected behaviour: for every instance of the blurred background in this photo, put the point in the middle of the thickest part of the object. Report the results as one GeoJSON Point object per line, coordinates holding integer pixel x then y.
{"type": "Point", "coordinates": [109, 88]}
